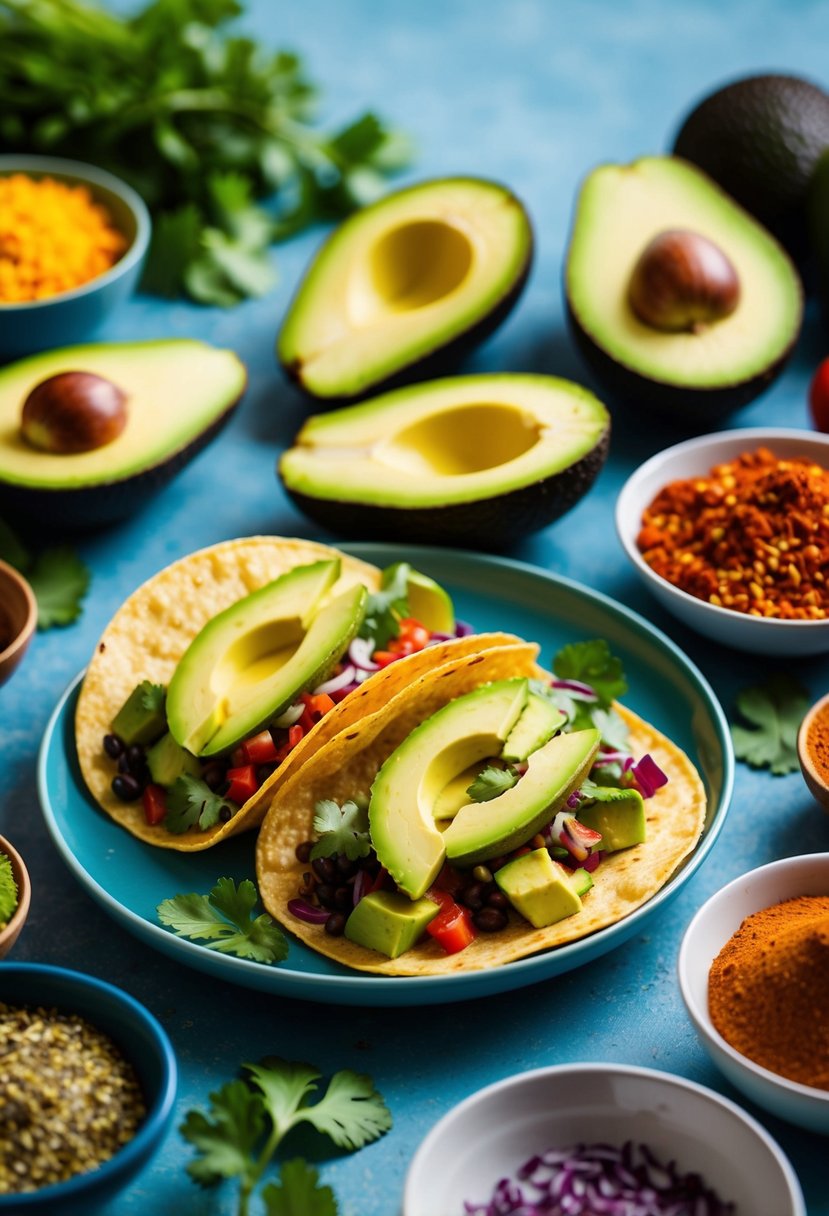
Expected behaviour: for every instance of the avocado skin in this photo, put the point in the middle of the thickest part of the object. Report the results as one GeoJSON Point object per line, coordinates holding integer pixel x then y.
{"type": "Point", "coordinates": [442, 360]}
{"type": "Point", "coordinates": [760, 138]}
{"type": "Point", "coordinates": [487, 523]}
{"type": "Point", "coordinates": [695, 407]}
{"type": "Point", "coordinates": [95, 506]}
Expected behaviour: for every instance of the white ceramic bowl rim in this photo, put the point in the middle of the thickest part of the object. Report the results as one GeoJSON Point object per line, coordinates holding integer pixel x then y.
{"type": "Point", "coordinates": [751, 435]}
{"type": "Point", "coordinates": [701, 1016]}
{"type": "Point", "coordinates": [82, 172]}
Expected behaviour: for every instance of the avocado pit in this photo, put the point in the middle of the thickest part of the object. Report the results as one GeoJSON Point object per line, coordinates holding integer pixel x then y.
{"type": "Point", "coordinates": [683, 282]}
{"type": "Point", "coordinates": [73, 411]}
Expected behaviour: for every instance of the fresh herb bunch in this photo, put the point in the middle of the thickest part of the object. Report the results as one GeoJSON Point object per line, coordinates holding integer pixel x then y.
{"type": "Point", "coordinates": [201, 121]}
{"type": "Point", "coordinates": [249, 1118]}
{"type": "Point", "coordinates": [225, 921]}
{"type": "Point", "coordinates": [58, 578]}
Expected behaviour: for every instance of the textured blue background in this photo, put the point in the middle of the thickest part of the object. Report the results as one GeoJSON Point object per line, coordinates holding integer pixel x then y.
{"type": "Point", "coordinates": [534, 94]}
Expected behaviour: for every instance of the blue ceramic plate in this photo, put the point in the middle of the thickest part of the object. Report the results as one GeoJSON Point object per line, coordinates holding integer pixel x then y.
{"type": "Point", "coordinates": [129, 879]}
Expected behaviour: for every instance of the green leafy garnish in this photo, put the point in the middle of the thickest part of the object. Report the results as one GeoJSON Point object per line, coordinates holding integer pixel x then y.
{"type": "Point", "coordinates": [191, 803]}
{"type": "Point", "coordinates": [341, 830]}
{"type": "Point", "coordinates": [8, 890]}
{"type": "Point", "coordinates": [491, 782]}
{"type": "Point", "coordinates": [775, 708]}
{"type": "Point", "coordinates": [592, 663]}
{"type": "Point", "coordinates": [152, 696]}
{"type": "Point", "coordinates": [205, 123]}
{"type": "Point", "coordinates": [58, 577]}
{"type": "Point", "coordinates": [224, 920]}
{"type": "Point", "coordinates": [387, 607]}
{"type": "Point", "coordinates": [249, 1118]}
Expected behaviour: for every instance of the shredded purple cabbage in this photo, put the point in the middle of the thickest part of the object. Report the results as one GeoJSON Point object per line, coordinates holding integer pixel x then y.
{"type": "Point", "coordinates": [601, 1180]}
{"type": "Point", "coordinates": [648, 775]}
{"type": "Point", "coordinates": [463, 629]}
{"type": "Point", "coordinates": [303, 910]}
{"type": "Point", "coordinates": [578, 690]}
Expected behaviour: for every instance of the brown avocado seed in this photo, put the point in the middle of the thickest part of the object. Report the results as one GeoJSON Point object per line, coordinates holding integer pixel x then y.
{"type": "Point", "coordinates": [683, 281]}
{"type": "Point", "coordinates": [73, 412]}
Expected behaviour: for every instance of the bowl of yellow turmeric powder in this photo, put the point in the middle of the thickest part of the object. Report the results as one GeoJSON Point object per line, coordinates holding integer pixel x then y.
{"type": "Point", "coordinates": [754, 975]}
{"type": "Point", "coordinates": [73, 239]}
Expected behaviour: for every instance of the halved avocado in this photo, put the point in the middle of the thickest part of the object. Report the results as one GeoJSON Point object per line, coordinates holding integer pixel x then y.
{"type": "Point", "coordinates": [473, 460]}
{"type": "Point", "coordinates": [404, 285]}
{"type": "Point", "coordinates": [179, 394]}
{"type": "Point", "coordinates": [706, 369]}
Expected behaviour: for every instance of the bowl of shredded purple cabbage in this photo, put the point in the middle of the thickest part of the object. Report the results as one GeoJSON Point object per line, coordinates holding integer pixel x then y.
{"type": "Point", "coordinates": [600, 1140]}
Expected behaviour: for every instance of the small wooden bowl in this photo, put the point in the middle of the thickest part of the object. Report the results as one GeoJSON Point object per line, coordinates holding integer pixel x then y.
{"type": "Point", "coordinates": [818, 786]}
{"type": "Point", "coordinates": [10, 934]}
{"type": "Point", "coordinates": [18, 618]}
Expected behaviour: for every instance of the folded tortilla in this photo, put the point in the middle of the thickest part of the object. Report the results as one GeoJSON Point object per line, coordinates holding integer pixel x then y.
{"type": "Point", "coordinates": [346, 768]}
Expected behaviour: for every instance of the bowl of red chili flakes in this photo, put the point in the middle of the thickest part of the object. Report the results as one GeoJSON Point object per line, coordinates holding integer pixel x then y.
{"type": "Point", "coordinates": [730, 533]}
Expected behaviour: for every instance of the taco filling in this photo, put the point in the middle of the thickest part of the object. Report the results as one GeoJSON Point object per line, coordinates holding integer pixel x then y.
{"type": "Point", "coordinates": [497, 817]}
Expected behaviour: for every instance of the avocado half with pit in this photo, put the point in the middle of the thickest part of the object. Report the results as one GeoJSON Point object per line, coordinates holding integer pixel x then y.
{"type": "Point", "coordinates": [406, 285]}
{"type": "Point", "coordinates": [473, 460]}
{"type": "Point", "coordinates": [89, 434]}
{"type": "Point", "coordinates": [679, 300]}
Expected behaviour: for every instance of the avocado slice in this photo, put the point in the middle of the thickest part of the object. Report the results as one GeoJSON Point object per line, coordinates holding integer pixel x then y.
{"type": "Point", "coordinates": [472, 460]}
{"type": "Point", "coordinates": [404, 284]}
{"type": "Point", "coordinates": [401, 810]}
{"type": "Point", "coordinates": [179, 393]}
{"type": "Point", "coordinates": [539, 721]}
{"type": "Point", "coordinates": [251, 661]}
{"type": "Point", "coordinates": [389, 922]}
{"type": "Point", "coordinates": [618, 815]}
{"type": "Point", "coordinates": [707, 369]}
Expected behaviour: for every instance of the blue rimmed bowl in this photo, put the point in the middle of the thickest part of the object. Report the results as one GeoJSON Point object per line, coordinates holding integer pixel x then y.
{"type": "Point", "coordinates": [71, 316]}
{"type": "Point", "coordinates": [143, 1042]}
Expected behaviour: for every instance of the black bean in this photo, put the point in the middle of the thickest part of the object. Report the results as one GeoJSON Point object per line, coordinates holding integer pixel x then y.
{"type": "Point", "coordinates": [335, 924]}
{"type": "Point", "coordinates": [225, 814]}
{"type": "Point", "coordinates": [325, 894]}
{"type": "Point", "coordinates": [125, 787]}
{"type": "Point", "coordinates": [124, 765]}
{"type": "Point", "coordinates": [345, 866]}
{"type": "Point", "coordinates": [490, 920]}
{"type": "Point", "coordinates": [472, 895]}
{"type": "Point", "coordinates": [343, 897]}
{"type": "Point", "coordinates": [113, 746]}
{"type": "Point", "coordinates": [325, 869]}
{"type": "Point", "coordinates": [303, 852]}
{"type": "Point", "coordinates": [136, 755]}
{"type": "Point", "coordinates": [214, 775]}
{"type": "Point", "coordinates": [497, 899]}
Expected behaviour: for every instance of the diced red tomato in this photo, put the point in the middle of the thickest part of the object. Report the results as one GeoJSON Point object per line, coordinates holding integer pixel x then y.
{"type": "Point", "coordinates": [452, 927]}
{"type": "Point", "coordinates": [383, 657]}
{"type": "Point", "coordinates": [155, 804]}
{"type": "Point", "coordinates": [414, 632]}
{"type": "Point", "coordinates": [243, 783]}
{"type": "Point", "coordinates": [401, 647]}
{"type": "Point", "coordinates": [295, 734]}
{"type": "Point", "coordinates": [448, 881]}
{"type": "Point", "coordinates": [260, 749]}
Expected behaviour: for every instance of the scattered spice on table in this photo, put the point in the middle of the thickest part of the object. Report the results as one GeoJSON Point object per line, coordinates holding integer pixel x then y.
{"type": "Point", "coordinates": [752, 536]}
{"type": "Point", "coordinates": [53, 236]}
{"type": "Point", "coordinates": [768, 989]}
{"type": "Point", "coordinates": [68, 1098]}
{"type": "Point", "coordinates": [817, 742]}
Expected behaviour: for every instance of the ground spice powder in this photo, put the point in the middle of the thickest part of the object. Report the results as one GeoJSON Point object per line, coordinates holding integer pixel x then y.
{"type": "Point", "coordinates": [768, 989]}
{"type": "Point", "coordinates": [817, 742]}
{"type": "Point", "coordinates": [752, 536]}
{"type": "Point", "coordinates": [68, 1098]}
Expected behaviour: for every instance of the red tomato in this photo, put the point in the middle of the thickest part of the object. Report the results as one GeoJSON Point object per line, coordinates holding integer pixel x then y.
{"type": "Point", "coordinates": [452, 927]}
{"type": "Point", "coordinates": [819, 397]}
{"type": "Point", "coordinates": [243, 783]}
{"type": "Point", "coordinates": [260, 749]}
{"type": "Point", "coordinates": [155, 804]}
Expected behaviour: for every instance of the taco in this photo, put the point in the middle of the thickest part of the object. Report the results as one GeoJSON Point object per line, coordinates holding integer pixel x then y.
{"type": "Point", "coordinates": [183, 784]}
{"type": "Point", "coordinates": [550, 812]}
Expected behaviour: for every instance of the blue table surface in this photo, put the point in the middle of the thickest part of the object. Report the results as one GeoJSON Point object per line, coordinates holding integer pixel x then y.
{"type": "Point", "coordinates": [533, 94]}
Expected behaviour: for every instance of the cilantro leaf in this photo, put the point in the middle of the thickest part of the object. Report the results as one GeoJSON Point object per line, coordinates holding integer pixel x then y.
{"type": "Point", "coordinates": [592, 663]}
{"type": "Point", "coordinates": [12, 549]}
{"type": "Point", "coordinates": [176, 242]}
{"type": "Point", "coordinates": [213, 919]}
{"type": "Point", "coordinates": [226, 1138]}
{"type": "Point", "coordinates": [152, 696]}
{"type": "Point", "coordinates": [341, 830]}
{"type": "Point", "coordinates": [298, 1192]}
{"type": "Point", "coordinates": [191, 803]}
{"type": "Point", "coordinates": [491, 782]}
{"type": "Point", "coordinates": [351, 1111]}
{"type": "Point", "coordinates": [60, 581]}
{"type": "Point", "coordinates": [775, 708]}
{"type": "Point", "coordinates": [386, 607]}
{"type": "Point", "coordinates": [614, 730]}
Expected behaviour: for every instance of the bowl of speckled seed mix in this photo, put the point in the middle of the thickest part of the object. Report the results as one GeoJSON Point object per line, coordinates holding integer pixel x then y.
{"type": "Point", "coordinates": [87, 1090]}
{"type": "Point", "coordinates": [73, 240]}
{"type": "Point", "coordinates": [730, 533]}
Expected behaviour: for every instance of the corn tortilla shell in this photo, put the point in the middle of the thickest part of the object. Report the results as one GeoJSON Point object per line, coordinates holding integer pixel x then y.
{"type": "Point", "coordinates": [626, 879]}
{"type": "Point", "coordinates": [154, 626]}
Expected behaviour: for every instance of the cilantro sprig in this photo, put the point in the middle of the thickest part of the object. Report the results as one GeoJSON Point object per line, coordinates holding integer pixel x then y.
{"type": "Point", "coordinates": [191, 803]}
{"type": "Point", "coordinates": [341, 830]}
{"type": "Point", "coordinates": [204, 122]}
{"type": "Point", "coordinates": [775, 710]}
{"type": "Point", "coordinates": [224, 921]}
{"type": "Point", "coordinates": [592, 663]}
{"type": "Point", "coordinates": [249, 1118]}
{"type": "Point", "coordinates": [387, 607]}
{"type": "Point", "coordinates": [57, 576]}
{"type": "Point", "coordinates": [491, 782]}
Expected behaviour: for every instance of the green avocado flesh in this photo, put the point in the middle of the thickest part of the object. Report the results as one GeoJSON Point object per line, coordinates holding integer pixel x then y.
{"type": "Point", "coordinates": [250, 662]}
{"type": "Point", "coordinates": [539, 888]}
{"type": "Point", "coordinates": [463, 440]}
{"type": "Point", "coordinates": [389, 922]}
{"type": "Point", "coordinates": [401, 279]}
{"type": "Point", "coordinates": [620, 209]}
{"type": "Point", "coordinates": [176, 390]}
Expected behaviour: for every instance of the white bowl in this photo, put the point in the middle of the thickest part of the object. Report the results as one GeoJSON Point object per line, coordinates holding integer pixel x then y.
{"type": "Point", "coordinates": [492, 1133]}
{"type": "Point", "coordinates": [693, 458]}
{"type": "Point", "coordinates": [717, 920]}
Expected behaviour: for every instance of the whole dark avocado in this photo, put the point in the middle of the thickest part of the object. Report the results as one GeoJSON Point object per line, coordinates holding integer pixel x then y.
{"type": "Point", "coordinates": [405, 287]}
{"type": "Point", "coordinates": [760, 138]}
{"type": "Point", "coordinates": [475, 461]}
